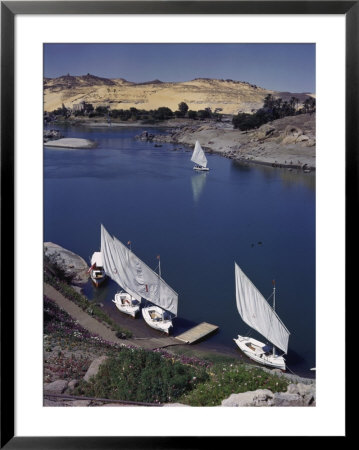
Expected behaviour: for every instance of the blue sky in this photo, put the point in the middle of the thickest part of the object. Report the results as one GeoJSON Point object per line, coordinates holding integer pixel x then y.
{"type": "Point", "coordinates": [281, 67]}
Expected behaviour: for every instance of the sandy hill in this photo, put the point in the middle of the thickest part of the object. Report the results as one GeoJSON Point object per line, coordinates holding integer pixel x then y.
{"type": "Point", "coordinates": [229, 95]}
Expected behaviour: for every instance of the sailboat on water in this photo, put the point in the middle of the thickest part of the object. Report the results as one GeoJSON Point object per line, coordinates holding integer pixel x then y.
{"type": "Point", "coordinates": [96, 270]}
{"type": "Point", "coordinates": [139, 281]}
{"type": "Point", "coordinates": [164, 301]}
{"type": "Point", "coordinates": [258, 314]}
{"type": "Point", "coordinates": [115, 258]}
{"type": "Point", "coordinates": [199, 158]}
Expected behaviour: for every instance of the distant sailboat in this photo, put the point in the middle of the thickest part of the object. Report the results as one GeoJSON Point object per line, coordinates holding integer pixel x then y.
{"type": "Point", "coordinates": [258, 314]}
{"type": "Point", "coordinates": [199, 158]}
{"type": "Point", "coordinates": [116, 265]}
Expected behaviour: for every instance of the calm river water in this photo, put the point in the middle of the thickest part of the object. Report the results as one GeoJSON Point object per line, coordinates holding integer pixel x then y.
{"type": "Point", "coordinates": [261, 217]}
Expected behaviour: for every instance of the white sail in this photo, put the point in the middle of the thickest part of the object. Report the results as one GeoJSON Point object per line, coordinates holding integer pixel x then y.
{"type": "Point", "coordinates": [198, 155]}
{"type": "Point", "coordinates": [115, 265]}
{"type": "Point", "coordinates": [134, 276]}
{"type": "Point", "coordinates": [257, 313]}
{"type": "Point", "coordinates": [144, 281]}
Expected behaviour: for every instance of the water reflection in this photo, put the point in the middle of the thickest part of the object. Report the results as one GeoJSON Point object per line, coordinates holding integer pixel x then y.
{"type": "Point", "coordinates": [198, 181]}
{"type": "Point", "coordinates": [289, 177]}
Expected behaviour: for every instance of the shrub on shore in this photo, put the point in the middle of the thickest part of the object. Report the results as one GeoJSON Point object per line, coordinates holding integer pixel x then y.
{"type": "Point", "coordinates": [143, 376]}
{"type": "Point", "coordinates": [157, 377]}
{"type": "Point", "coordinates": [226, 379]}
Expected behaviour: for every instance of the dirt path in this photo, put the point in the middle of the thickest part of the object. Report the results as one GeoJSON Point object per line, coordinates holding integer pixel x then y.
{"type": "Point", "coordinates": [96, 327]}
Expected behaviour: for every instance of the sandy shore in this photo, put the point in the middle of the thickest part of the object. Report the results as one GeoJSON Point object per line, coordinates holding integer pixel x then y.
{"type": "Point", "coordinates": [71, 143]}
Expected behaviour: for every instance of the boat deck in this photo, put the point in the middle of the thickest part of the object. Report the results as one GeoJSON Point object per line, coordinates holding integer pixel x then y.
{"type": "Point", "coordinates": [196, 333]}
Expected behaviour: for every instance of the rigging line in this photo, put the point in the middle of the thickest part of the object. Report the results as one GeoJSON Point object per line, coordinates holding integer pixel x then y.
{"type": "Point", "coordinates": [292, 371]}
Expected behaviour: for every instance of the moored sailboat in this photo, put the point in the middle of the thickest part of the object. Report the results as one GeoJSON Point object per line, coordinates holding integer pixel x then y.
{"type": "Point", "coordinates": [199, 158]}
{"type": "Point", "coordinates": [258, 314]}
{"type": "Point", "coordinates": [138, 281]}
{"type": "Point", "coordinates": [97, 272]}
{"type": "Point", "coordinates": [164, 302]}
{"type": "Point", "coordinates": [116, 267]}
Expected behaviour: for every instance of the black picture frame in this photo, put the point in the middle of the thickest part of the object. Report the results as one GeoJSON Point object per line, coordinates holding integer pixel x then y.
{"type": "Point", "coordinates": [9, 9]}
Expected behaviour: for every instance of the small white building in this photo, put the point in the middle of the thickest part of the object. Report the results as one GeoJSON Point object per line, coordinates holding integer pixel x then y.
{"type": "Point", "coordinates": [78, 106]}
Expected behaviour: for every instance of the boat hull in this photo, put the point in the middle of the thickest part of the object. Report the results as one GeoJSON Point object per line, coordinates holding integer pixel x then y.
{"type": "Point", "coordinates": [97, 281]}
{"type": "Point", "coordinates": [126, 304]}
{"type": "Point", "coordinates": [253, 349]}
{"type": "Point", "coordinates": [201, 169]}
{"type": "Point", "coordinates": [153, 316]}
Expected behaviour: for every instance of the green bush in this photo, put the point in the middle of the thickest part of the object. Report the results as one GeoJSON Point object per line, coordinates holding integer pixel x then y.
{"type": "Point", "coordinates": [142, 376]}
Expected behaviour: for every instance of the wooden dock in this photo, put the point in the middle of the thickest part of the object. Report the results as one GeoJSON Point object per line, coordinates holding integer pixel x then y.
{"type": "Point", "coordinates": [196, 333]}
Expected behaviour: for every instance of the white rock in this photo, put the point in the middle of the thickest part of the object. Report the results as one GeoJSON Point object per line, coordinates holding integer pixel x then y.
{"type": "Point", "coordinates": [285, 399]}
{"type": "Point", "coordinates": [262, 397]}
{"type": "Point", "coordinates": [56, 387]}
{"type": "Point", "coordinates": [292, 389]}
{"type": "Point", "coordinates": [243, 399]}
{"type": "Point", "coordinates": [94, 367]}
{"type": "Point", "coordinates": [73, 384]}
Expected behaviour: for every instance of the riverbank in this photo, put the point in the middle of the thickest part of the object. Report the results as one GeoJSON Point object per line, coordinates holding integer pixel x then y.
{"type": "Point", "coordinates": [288, 142]}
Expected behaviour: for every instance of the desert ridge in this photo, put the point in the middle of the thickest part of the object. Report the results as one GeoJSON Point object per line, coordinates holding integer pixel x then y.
{"type": "Point", "coordinates": [226, 96]}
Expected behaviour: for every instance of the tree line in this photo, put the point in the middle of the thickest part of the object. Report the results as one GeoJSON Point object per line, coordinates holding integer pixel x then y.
{"type": "Point", "coordinates": [134, 114]}
{"type": "Point", "coordinates": [272, 109]}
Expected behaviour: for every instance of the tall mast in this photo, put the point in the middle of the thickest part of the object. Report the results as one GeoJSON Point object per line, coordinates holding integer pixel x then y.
{"type": "Point", "coordinates": [273, 308]}
{"type": "Point", "coordinates": [159, 265]}
{"type": "Point", "coordinates": [159, 275]}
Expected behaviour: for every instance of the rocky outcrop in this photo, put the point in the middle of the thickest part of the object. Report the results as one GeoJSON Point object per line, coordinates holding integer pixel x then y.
{"type": "Point", "coordinates": [73, 265]}
{"type": "Point", "coordinates": [49, 135]}
{"type": "Point", "coordinates": [145, 136]}
{"type": "Point", "coordinates": [297, 395]}
{"type": "Point", "coordinates": [260, 397]}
